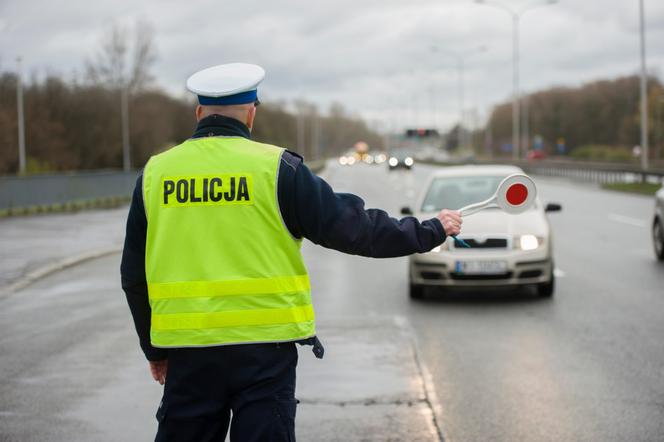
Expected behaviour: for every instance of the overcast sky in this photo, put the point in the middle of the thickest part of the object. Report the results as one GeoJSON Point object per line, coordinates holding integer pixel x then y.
{"type": "Point", "coordinates": [387, 60]}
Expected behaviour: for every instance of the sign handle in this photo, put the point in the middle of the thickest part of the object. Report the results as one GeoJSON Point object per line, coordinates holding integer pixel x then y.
{"type": "Point", "coordinates": [461, 242]}
{"type": "Point", "coordinates": [474, 208]}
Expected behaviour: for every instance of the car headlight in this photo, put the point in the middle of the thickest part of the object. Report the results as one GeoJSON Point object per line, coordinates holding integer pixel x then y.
{"type": "Point", "coordinates": [351, 160]}
{"type": "Point", "coordinates": [529, 242]}
{"type": "Point", "coordinates": [393, 162]}
{"type": "Point", "coordinates": [408, 161]}
{"type": "Point", "coordinates": [343, 161]}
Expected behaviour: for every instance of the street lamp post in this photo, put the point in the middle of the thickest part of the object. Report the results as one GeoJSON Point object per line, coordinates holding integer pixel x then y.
{"type": "Point", "coordinates": [21, 119]}
{"type": "Point", "coordinates": [644, 92]}
{"type": "Point", "coordinates": [515, 14]}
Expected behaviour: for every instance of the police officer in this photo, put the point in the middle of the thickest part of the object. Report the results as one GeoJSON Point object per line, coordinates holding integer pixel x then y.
{"type": "Point", "coordinates": [212, 268]}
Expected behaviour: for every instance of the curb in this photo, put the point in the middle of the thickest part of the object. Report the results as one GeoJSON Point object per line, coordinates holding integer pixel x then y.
{"type": "Point", "coordinates": [48, 269]}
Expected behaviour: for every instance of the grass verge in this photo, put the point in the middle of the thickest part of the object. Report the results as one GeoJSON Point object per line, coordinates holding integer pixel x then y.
{"type": "Point", "coordinates": [71, 206]}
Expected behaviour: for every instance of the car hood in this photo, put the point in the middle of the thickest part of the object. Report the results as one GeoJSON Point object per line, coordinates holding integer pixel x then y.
{"type": "Point", "coordinates": [497, 222]}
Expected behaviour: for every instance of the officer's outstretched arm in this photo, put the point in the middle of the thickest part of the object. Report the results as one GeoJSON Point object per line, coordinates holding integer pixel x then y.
{"type": "Point", "coordinates": [340, 221]}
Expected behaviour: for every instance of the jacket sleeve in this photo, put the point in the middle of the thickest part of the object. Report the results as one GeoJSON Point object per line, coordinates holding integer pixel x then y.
{"type": "Point", "coordinates": [132, 271]}
{"type": "Point", "coordinates": [339, 221]}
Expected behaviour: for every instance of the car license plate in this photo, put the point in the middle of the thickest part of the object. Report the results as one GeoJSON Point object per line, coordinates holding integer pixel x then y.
{"type": "Point", "coordinates": [481, 267]}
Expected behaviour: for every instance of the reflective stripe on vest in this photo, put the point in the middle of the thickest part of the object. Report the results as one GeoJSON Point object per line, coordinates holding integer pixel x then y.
{"type": "Point", "coordinates": [221, 266]}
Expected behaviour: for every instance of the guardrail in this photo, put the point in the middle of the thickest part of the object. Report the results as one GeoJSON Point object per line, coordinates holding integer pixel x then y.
{"type": "Point", "coordinates": [601, 173]}
{"type": "Point", "coordinates": [31, 194]}
{"type": "Point", "coordinates": [24, 195]}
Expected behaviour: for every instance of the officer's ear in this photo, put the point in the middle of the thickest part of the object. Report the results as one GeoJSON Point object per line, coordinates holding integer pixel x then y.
{"type": "Point", "coordinates": [251, 115]}
{"type": "Point", "coordinates": [199, 112]}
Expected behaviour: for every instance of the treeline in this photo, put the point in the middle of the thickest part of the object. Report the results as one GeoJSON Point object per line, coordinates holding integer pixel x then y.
{"type": "Point", "coordinates": [602, 113]}
{"type": "Point", "coordinates": [77, 126]}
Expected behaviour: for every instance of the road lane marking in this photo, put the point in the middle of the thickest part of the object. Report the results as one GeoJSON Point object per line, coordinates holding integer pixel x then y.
{"type": "Point", "coordinates": [635, 222]}
{"type": "Point", "coordinates": [425, 377]}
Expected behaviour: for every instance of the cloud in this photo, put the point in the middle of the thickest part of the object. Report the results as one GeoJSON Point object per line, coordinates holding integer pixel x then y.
{"type": "Point", "coordinates": [373, 56]}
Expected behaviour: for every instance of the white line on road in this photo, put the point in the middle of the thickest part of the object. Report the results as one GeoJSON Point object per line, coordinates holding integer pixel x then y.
{"type": "Point", "coordinates": [635, 222]}
{"type": "Point", "coordinates": [425, 377]}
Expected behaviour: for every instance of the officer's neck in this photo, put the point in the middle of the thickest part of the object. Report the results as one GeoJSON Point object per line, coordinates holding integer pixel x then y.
{"type": "Point", "coordinates": [217, 125]}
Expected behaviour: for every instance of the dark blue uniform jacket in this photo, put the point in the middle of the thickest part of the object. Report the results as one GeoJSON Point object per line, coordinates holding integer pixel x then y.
{"type": "Point", "coordinates": [310, 209]}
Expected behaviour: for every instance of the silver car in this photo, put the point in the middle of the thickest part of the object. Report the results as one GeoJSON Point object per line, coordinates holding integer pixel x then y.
{"type": "Point", "coordinates": [658, 225]}
{"type": "Point", "coordinates": [506, 250]}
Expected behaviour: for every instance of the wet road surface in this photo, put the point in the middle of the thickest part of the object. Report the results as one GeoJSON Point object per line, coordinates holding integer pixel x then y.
{"type": "Point", "coordinates": [585, 365]}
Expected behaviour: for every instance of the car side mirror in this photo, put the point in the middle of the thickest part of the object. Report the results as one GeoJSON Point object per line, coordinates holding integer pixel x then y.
{"type": "Point", "coordinates": [553, 207]}
{"type": "Point", "coordinates": [406, 210]}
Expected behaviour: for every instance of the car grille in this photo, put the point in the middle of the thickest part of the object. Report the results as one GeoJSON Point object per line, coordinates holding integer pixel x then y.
{"type": "Point", "coordinates": [462, 277]}
{"type": "Point", "coordinates": [489, 243]}
{"type": "Point", "coordinates": [432, 275]}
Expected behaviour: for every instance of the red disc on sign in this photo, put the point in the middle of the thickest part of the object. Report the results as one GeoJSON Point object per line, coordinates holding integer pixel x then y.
{"type": "Point", "coordinates": [517, 194]}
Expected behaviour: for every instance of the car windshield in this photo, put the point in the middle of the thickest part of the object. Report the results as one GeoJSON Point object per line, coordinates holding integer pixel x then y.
{"type": "Point", "coordinates": [457, 192]}
{"type": "Point", "coordinates": [400, 153]}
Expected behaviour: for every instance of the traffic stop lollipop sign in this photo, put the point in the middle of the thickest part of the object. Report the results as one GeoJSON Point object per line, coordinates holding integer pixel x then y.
{"type": "Point", "coordinates": [515, 194]}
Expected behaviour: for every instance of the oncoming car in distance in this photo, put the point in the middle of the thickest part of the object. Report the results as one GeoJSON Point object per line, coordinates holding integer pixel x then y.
{"type": "Point", "coordinates": [400, 159]}
{"type": "Point", "coordinates": [347, 160]}
{"type": "Point", "coordinates": [506, 250]}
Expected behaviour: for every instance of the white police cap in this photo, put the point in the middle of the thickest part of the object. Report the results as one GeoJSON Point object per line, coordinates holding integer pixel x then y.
{"type": "Point", "coordinates": [227, 84]}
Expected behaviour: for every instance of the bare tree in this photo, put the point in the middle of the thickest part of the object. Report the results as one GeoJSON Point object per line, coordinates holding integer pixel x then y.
{"type": "Point", "coordinates": [126, 69]}
{"type": "Point", "coordinates": [121, 65]}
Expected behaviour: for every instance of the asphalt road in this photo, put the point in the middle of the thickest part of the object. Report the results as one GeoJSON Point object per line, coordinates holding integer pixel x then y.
{"type": "Point", "coordinates": [585, 365]}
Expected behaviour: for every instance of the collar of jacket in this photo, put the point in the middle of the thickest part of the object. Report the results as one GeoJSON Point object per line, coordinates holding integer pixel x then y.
{"type": "Point", "coordinates": [221, 126]}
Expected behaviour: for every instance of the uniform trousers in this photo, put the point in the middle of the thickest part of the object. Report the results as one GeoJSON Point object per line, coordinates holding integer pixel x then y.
{"type": "Point", "coordinates": [255, 383]}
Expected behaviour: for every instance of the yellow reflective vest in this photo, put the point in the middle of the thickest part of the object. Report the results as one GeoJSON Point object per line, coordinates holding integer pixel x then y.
{"type": "Point", "coordinates": [221, 266]}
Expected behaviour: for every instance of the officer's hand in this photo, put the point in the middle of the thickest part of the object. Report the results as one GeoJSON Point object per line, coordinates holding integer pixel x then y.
{"type": "Point", "coordinates": [158, 370]}
{"type": "Point", "coordinates": [451, 221]}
